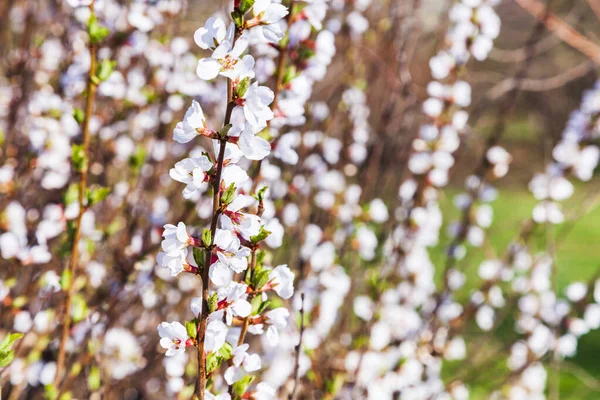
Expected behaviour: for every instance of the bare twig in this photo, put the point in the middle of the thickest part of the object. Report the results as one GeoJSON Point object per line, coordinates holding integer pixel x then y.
{"type": "Point", "coordinates": [561, 29]}
{"type": "Point", "coordinates": [541, 85]}
{"type": "Point", "coordinates": [72, 266]}
{"type": "Point", "coordinates": [298, 350]}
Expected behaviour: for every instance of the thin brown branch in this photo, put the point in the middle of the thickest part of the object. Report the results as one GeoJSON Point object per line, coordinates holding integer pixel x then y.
{"type": "Point", "coordinates": [561, 29]}
{"type": "Point", "coordinates": [595, 6]}
{"type": "Point", "coordinates": [216, 186]}
{"type": "Point", "coordinates": [72, 266]}
{"type": "Point", "coordinates": [542, 85]}
{"type": "Point", "coordinates": [298, 350]}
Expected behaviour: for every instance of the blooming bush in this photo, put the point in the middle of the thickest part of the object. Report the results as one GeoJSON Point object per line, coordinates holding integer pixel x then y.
{"type": "Point", "coordinates": [254, 207]}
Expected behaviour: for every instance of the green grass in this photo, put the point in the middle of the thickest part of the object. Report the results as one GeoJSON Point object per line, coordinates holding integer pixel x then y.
{"type": "Point", "coordinates": [578, 258]}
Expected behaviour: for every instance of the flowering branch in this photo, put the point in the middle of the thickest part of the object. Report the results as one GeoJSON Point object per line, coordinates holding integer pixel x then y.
{"type": "Point", "coordinates": [81, 157]}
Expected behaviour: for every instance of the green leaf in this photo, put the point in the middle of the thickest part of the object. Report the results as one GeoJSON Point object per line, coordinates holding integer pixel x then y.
{"type": "Point", "coordinates": [242, 87]}
{"type": "Point", "coordinates": [261, 277]}
{"type": "Point", "coordinates": [228, 195]}
{"type": "Point", "coordinates": [96, 31]}
{"type": "Point", "coordinates": [245, 6]}
{"type": "Point", "coordinates": [225, 351]}
{"type": "Point", "coordinates": [79, 158]}
{"type": "Point", "coordinates": [6, 357]}
{"type": "Point", "coordinates": [198, 256]}
{"type": "Point", "coordinates": [206, 237]}
{"type": "Point", "coordinates": [263, 307]}
{"type": "Point", "coordinates": [240, 387]}
{"type": "Point", "coordinates": [137, 159]}
{"type": "Point", "coordinates": [213, 303]}
{"type": "Point", "coordinates": [256, 303]}
{"type": "Point", "coordinates": [260, 195]}
{"type": "Point", "coordinates": [72, 194]}
{"type": "Point", "coordinates": [335, 385]}
{"type": "Point", "coordinates": [96, 194]}
{"type": "Point", "coordinates": [8, 341]}
{"type": "Point", "coordinates": [289, 74]}
{"type": "Point", "coordinates": [79, 115]}
{"type": "Point", "coordinates": [79, 308]}
{"type": "Point", "coordinates": [237, 17]}
{"type": "Point", "coordinates": [223, 133]}
{"type": "Point", "coordinates": [7, 354]}
{"type": "Point", "coordinates": [260, 257]}
{"type": "Point", "coordinates": [67, 396]}
{"type": "Point", "coordinates": [94, 379]}
{"type": "Point", "coordinates": [104, 69]}
{"type": "Point", "coordinates": [192, 328]}
{"type": "Point", "coordinates": [50, 392]}
{"type": "Point", "coordinates": [262, 235]}
{"type": "Point", "coordinates": [212, 362]}
{"type": "Point", "coordinates": [65, 279]}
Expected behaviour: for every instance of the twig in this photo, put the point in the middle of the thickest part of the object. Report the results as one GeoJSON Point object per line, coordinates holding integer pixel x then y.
{"type": "Point", "coordinates": [72, 266]}
{"type": "Point", "coordinates": [561, 29]}
{"type": "Point", "coordinates": [541, 85]}
{"type": "Point", "coordinates": [216, 186]}
{"type": "Point", "coordinates": [298, 350]}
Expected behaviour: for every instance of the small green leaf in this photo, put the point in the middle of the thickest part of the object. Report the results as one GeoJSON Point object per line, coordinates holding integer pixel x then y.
{"type": "Point", "coordinates": [245, 6]}
{"type": "Point", "coordinates": [104, 69]}
{"type": "Point", "coordinates": [213, 303]}
{"type": "Point", "coordinates": [6, 357]}
{"type": "Point", "coordinates": [242, 87]}
{"type": "Point", "coordinates": [223, 133]}
{"type": "Point", "coordinates": [8, 341]}
{"type": "Point", "coordinates": [192, 328]}
{"type": "Point", "coordinates": [96, 31]}
{"type": "Point", "coordinates": [67, 396]}
{"type": "Point", "coordinates": [262, 235]}
{"type": "Point", "coordinates": [228, 195]}
{"type": "Point", "coordinates": [260, 257]}
{"type": "Point", "coordinates": [198, 256]}
{"type": "Point", "coordinates": [137, 159]}
{"type": "Point", "coordinates": [79, 309]}
{"type": "Point", "coordinates": [79, 115]}
{"type": "Point", "coordinates": [72, 194]}
{"type": "Point", "coordinates": [290, 74]}
{"type": "Point", "coordinates": [65, 279]}
{"type": "Point", "coordinates": [96, 194]}
{"type": "Point", "coordinates": [255, 302]}
{"type": "Point", "coordinates": [240, 387]}
{"type": "Point", "coordinates": [260, 195]}
{"type": "Point", "coordinates": [206, 237]}
{"type": "Point", "coordinates": [261, 277]}
{"type": "Point", "coordinates": [50, 392]}
{"type": "Point", "coordinates": [225, 351]}
{"type": "Point", "coordinates": [237, 17]}
{"type": "Point", "coordinates": [94, 379]}
{"type": "Point", "coordinates": [212, 362]}
{"type": "Point", "coordinates": [79, 158]}
{"type": "Point", "coordinates": [263, 307]}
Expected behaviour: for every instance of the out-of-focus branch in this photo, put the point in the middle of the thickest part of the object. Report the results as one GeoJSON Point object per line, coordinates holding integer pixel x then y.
{"type": "Point", "coordinates": [92, 85]}
{"type": "Point", "coordinates": [518, 55]}
{"type": "Point", "coordinates": [595, 6]}
{"type": "Point", "coordinates": [541, 85]}
{"type": "Point", "coordinates": [298, 350]}
{"type": "Point", "coordinates": [544, 45]}
{"type": "Point", "coordinates": [561, 29]}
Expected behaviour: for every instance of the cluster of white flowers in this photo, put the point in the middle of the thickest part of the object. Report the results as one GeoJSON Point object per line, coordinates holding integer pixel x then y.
{"type": "Point", "coordinates": [359, 311]}
{"type": "Point", "coordinates": [229, 308]}
{"type": "Point", "coordinates": [474, 26]}
{"type": "Point", "coordinates": [50, 119]}
{"type": "Point", "coordinates": [573, 155]}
